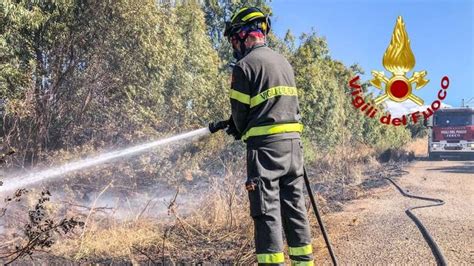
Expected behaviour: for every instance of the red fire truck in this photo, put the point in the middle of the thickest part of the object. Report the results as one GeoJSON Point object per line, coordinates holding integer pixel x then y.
{"type": "Point", "coordinates": [451, 133]}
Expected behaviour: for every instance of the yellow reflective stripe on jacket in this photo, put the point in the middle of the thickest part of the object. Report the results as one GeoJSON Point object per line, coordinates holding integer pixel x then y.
{"type": "Point", "coordinates": [271, 258]}
{"type": "Point", "coordinates": [272, 129]}
{"type": "Point", "coordinates": [239, 96]}
{"type": "Point", "coordinates": [301, 263]}
{"type": "Point", "coordinates": [272, 92]}
{"type": "Point", "coordinates": [299, 251]}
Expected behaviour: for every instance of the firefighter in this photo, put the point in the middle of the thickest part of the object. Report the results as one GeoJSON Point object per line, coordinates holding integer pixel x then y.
{"type": "Point", "coordinates": [266, 115]}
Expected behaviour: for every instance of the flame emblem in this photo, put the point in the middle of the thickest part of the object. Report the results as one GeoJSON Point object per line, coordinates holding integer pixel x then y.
{"type": "Point", "coordinates": [399, 59]}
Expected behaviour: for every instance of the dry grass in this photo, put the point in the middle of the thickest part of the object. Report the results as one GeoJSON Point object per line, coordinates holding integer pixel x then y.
{"type": "Point", "coordinates": [219, 230]}
{"type": "Point", "coordinates": [344, 163]}
{"type": "Point", "coordinates": [340, 174]}
{"type": "Point", "coordinates": [121, 241]}
{"type": "Point", "coordinates": [418, 146]}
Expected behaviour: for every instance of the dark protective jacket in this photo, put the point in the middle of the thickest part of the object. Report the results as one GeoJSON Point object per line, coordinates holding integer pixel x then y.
{"type": "Point", "coordinates": [265, 111]}
{"type": "Point", "coordinates": [263, 95]}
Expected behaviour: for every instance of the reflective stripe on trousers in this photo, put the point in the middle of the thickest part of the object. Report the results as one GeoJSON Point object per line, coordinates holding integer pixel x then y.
{"type": "Point", "coordinates": [297, 254]}
{"type": "Point", "coordinates": [299, 251]}
{"type": "Point", "coordinates": [271, 258]}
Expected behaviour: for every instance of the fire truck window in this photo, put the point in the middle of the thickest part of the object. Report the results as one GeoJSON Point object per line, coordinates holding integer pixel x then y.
{"type": "Point", "coordinates": [450, 120]}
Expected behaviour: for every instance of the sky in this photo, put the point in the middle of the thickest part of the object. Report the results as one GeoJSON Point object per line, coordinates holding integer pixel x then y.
{"type": "Point", "coordinates": [359, 31]}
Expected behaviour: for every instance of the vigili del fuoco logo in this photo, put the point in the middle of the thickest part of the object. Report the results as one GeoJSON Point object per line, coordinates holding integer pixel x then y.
{"type": "Point", "coordinates": [399, 87]}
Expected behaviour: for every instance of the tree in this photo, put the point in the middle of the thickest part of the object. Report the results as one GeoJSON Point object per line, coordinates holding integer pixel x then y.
{"type": "Point", "coordinates": [72, 71]}
{"type": "Point", "coordinates": [321, 96]}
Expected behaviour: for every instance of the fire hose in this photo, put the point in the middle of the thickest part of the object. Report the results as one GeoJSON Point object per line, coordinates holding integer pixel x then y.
{"type": "Point", "coordinates": [318, 217]}
{"type": "Point", "coordinates": [221, 125]}
{"type": "Point", "coordinates": [440, 260]}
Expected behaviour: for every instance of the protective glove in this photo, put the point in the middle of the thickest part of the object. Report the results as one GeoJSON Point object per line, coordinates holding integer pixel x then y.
{"type": "Point", "coordinates": [216, 126]}
{"type": "Point", "coordinates": [232, 129]}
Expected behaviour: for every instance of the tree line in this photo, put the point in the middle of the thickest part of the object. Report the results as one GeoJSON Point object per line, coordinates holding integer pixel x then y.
{"type": "Point", "coordinates": [109, 73]}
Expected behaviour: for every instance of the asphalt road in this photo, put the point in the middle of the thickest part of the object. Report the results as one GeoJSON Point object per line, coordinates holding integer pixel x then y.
{"type": "Point", "coordinates": [376, 230]}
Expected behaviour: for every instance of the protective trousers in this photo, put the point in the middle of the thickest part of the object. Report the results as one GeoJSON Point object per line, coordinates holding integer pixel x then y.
{"type": "Point", "coordinates": [275, 176]}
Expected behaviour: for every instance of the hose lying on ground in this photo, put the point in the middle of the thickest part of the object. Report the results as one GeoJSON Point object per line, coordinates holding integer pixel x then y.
{"type": "Point", "coordinates": [318, 217]}
{"type": "Point", "coordinates": [440, 260]}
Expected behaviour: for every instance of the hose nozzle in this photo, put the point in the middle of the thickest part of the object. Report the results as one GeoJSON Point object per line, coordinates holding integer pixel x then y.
{"type": "Point", "coordinates": [216, 126]}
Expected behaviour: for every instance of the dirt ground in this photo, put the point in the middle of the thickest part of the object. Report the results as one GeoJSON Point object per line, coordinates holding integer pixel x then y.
{"type": "Point", "coordinates": [375, 229]}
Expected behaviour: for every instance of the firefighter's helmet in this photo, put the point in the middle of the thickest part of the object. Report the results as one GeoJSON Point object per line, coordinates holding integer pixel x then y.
{"type": "Point", "coordinates": [251, 17]}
